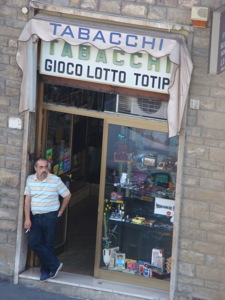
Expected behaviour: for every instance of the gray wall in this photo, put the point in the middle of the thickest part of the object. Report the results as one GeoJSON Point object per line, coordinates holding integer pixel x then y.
{"type": "Point", "coordinates": [11, 140]}
{"type": "Point", "coordinates": [201, 258]}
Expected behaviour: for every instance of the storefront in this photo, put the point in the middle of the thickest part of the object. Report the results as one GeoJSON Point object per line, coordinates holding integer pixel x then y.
{"type": "Point", "coordinates": [109, 109]}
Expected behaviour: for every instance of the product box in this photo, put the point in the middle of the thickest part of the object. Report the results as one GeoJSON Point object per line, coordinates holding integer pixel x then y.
{"type": "Point", "coordinates": [112, 262]}
{"type": "Point", "coordinates": [156, 254]}
{"type": "Point", "coordinates": [141, 269]}
{"type": "Point", "coordinates": [113, 252]}
{"type": "Point", "coordinates": [160, 263]}
{"type": "Point", "coordinates": [138, 220]}
{"type": "Point", "coordinates": [147, 272]}
{"type": "Point", "coordinates": [120, 261]}
{"type": "Point", "coordinates": [141, 265]}
{"type": "Point", "coordinates": [131, 264]}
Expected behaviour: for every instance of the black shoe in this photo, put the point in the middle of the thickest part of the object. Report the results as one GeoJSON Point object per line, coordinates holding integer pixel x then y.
{"type": "Point", "coordinates": [44, 276]}
{"type": "Point", "coordinates": [54, 273]}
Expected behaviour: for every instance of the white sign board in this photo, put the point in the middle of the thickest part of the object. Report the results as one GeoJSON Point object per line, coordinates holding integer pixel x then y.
{"type": "Point", "coordinates": [106, 66]}
{"type": "Point", "coordinates": [164, 207]}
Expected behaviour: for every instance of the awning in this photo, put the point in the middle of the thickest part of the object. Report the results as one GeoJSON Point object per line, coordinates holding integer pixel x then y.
{"type": "Point", "coordinates": [76, 32]}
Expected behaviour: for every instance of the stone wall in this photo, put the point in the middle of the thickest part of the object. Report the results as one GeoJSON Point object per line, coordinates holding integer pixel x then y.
{"type": "Point", "coordinates": [201, 258]}
{"type": "Point", "coordinates": [12, 22]}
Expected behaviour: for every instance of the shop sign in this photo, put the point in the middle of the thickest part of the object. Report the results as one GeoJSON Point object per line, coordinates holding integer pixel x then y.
{"type": "Point", "coordinates": [112, 66]}
{"type": "Point", "coordinates": [166, 47]}
{"type": "Point", "coordinates": [217, 49]}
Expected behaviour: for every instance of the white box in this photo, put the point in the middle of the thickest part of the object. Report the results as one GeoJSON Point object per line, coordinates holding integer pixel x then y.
{"type": "Point", "coordinates": [156, 253]}
{"type": "Point", "coordinates": [114, 251]}
{"type": "Point", "coordinates": [164, 207]}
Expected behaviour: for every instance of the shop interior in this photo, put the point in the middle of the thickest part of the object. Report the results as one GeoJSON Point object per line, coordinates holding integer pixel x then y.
{"type": "Point", "coordinates": [76, 158]}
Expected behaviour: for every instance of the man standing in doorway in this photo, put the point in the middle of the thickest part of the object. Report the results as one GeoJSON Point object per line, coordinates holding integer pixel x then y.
{"type": "Point", "coordinates": [42, 212]}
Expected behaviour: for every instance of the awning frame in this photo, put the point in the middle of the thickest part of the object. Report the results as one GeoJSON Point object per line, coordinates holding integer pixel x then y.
{"type": "Point", "coordinates": [48, 28]}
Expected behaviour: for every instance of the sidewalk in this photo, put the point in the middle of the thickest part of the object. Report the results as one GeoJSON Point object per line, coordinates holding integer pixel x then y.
{"type": "Point", "coordinates": [10, 291]}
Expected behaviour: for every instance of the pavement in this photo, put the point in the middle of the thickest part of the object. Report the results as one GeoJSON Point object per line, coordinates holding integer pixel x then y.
{"type": "Point", "coordinates": [10, 291]}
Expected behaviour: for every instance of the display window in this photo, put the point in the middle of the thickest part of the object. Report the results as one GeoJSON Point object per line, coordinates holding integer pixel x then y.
{"type": "Point", "coordinates": [139, 202]}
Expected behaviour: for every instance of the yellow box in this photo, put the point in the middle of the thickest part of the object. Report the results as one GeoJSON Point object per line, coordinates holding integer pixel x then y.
{"type": "Point", "coordinates": [138, 220]}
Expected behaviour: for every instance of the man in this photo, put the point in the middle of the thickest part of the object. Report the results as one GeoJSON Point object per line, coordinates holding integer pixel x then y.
{"type": "Point", "coordinates": [42, 212]}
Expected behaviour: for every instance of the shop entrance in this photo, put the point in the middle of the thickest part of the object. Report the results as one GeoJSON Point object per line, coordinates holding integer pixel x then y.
{"type": "Point", "coordinates": [80, 129]}
{"type": "Point", "coordinates": [72, 144]}
{"type": "Point", "coordinates": [78, 252]}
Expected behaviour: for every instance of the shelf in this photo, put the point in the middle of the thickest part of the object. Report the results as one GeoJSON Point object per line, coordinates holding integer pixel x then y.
{"type": "Point", "coordinates": [166, 227]}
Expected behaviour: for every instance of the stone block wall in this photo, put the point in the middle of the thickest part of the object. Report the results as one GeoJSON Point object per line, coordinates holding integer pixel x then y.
{"type": "Point", "coordinates": [201, 250]}
{"type": "Point", "coordinates": [12, 22]}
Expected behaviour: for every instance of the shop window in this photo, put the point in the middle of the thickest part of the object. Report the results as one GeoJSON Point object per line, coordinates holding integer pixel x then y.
{"type": "Point", "coordinates": [105, 102]}
{"type": "Point", "coordinates": [139, 203]}
{"type": "Point", "coordinates": [79, 98]}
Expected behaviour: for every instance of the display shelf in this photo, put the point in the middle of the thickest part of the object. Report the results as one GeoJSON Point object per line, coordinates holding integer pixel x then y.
{"type": "Point", "coordinates": [161, 226]}
{"type": "Point", "coordinates": [141, 176]}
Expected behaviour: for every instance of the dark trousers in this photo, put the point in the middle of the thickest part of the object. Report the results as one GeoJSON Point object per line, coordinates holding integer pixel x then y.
{"type": "Point", "coordinates": [42, 239]}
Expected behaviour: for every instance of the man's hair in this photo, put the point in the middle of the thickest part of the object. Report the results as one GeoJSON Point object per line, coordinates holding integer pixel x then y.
{"type": "Point", "coordinates": [38, 159]}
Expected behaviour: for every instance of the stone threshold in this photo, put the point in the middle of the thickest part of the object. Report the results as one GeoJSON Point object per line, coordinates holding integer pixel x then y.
{"type": "Point", "coordinates": [89, 288]}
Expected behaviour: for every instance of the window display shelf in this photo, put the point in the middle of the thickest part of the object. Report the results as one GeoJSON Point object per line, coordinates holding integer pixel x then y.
{"type": "Point", "coordinates": [140, 200]}
{"type": "Point", "coordinates": [138, 242]}
{"type": "Point", "coordinates": [155, 227]}
{"type": "Point", "coordinates": [146, 194]}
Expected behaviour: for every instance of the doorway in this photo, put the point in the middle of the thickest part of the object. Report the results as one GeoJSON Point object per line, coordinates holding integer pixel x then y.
{"type": "Point", "coordinates": [79, 254]}
{"type": "Point", "coordinates": [69, 135]}
{"type": "Point", "coordinates": [73, 150]}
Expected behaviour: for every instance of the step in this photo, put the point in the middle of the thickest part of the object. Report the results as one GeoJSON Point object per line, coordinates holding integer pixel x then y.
{"type": "Point", "coordinates": [89, 288]}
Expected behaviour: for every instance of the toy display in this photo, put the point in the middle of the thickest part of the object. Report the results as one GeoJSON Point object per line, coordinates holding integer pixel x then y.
{"type": "Point", "coordinates": [141, 186]}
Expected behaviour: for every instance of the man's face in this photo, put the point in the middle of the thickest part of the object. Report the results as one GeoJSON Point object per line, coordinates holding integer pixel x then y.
{"type": "Point", "coordinates": [41, 169]}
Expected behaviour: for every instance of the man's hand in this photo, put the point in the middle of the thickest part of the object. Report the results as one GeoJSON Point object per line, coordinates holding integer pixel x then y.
{"type": "Point", "coordinates": [64, 205]}
{"type": "Point", "coordinates": [27, 224]}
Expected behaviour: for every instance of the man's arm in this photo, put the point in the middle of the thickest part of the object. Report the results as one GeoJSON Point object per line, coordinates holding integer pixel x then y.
{"type": "Point", "coordinates": [65, 202]}
{"type": "Point", "coordinates": [27, 222]}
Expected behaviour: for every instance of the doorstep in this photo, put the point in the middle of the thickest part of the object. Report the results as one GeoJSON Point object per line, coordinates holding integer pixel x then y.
{"type": "Point", "coordinates": [89, 288]}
